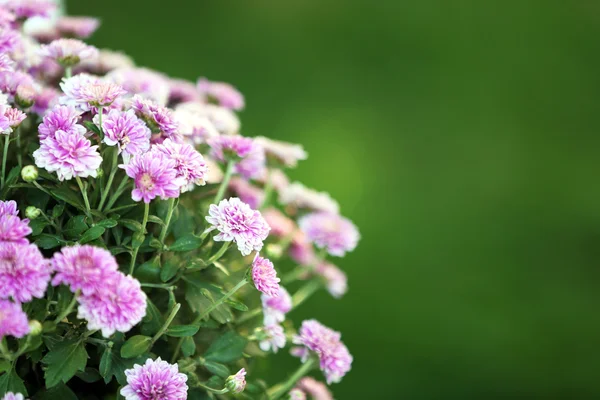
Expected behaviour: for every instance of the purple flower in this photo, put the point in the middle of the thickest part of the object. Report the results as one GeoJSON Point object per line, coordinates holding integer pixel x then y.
{"type": "Point", "coordinates": [127, 132]}
{"type": "Point", "coordinates": [73, 91]}
{"type": "Point", "coordinates": [109, 60]}
{"type": "Point", "coordinates": [300, 196]}
{"type": "Point", "coordinates": [118, 305]}
{"type": "Point", "coordinates": [60, 118]}
{"type": "Point", "coordinates": [5, 128]}
{"type": "Point", "coordinates": [69, 154]}
{"type": "Point", "coordinates": [194, 128]}
{"type": "Point", "coordinates": [8, 207]}
{"type": "Point", "coordinates": [253, 166]}
{"type": "Point", "coordinates": [68, 52]}
{"type": "Point", "coordinates": [13, 321]}
{"type": "Point", "coordinates": [282, 153]}
{"type": "Point", "coordinates": [84, 268]}
{"type": "Point", "coordinates": [189, 164]}
{"type": "Point", "coordinates": [248, 193]}
{"type": "Point", "coordinates": [275, 307]}
{"type": "Point", "coordinates": [155, 380]}
{"type": "Point", "coordinates": [236, 383]}
{"type": "Point", "coordinates": [145, 82]}
{"type": "Point", "coordinates": [81, 27]}
{"type": "Point", "coordinates": [301, 249]}
{"type": "Point", "coordinates": [223, 119]}
{"type": "Point", "coordinates": [9, 39]}
{"type": "Point", "coordinates": [13, 396]}
{"type": "Point", "coordinates": [223, 93]}
{"type": "Point", "coordinates": [330, 231]}
{"type": "Point", "coordinates": [31, 8]}
{"type": "Point", "coordinates": [275, 338]}
{"type": "Point", "coordinates": [317, 390]}
{"type": "Point", "coordinates": [182, 91]}
{"type": "Point", "coordinates": [6, 64]}
{"type": "Point", "coordinates": [45, 99]}
{"type": "Point", "coordinates": [14, 229]}
{"type": "Point", "coordinates": [281, 225]}
{"type": "Point", "coordinates": [10, 81]}
{"type": "Point", "coordinates": [296, 394]}
{"type": "Point", "coordinates": [6, 18]}
{"type": "Point", "coordinates": [265, 277]}
{"type": "Point", "coordinates": [335, 279]}
{"type": "Point", "coordinates": [155, 175]}
{"type": "Point", "coordinates": [237, 222]}
{"type": "Point", "coordinates": [230, 148]}
{"type": "Point", "coordinates": [24, 273]}
{"type": "Point", "coordinates": [15, 117]}
{"type": "Point", "coordinates": [100, 93]}
{"type": "Point", "coordinates": [159, 119]}
{"type": "Point", "coordinates": [334, 357]}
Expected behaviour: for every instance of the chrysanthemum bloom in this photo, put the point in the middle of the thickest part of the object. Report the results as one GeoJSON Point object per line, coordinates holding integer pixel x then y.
{"type": "Point", "coordinates": [265, 277]}
{"type": "Point", "coordinates": [182, 91]}
{"type": "Point", "coordinates": [13, 229]}
{"type": "Point", "coordinates": [301, 249]}
{"type": "Point", "coordinates": [73, 90]}
{"type": "Point", "coordinates": [276, 307]}
{"type": "Point", "coordinates": [24, 273]}
{"type": "Point", "coordinates": [68, 154]}
{"type": "Point", "coordinates": [155, 175]}
{"type": "Point", "coordinates": [159, 119]}
{"type": "Point", "coordinates": [45, 100]}
{"type": "Point", "coordinates": [6, 18]}
{"type": "Point", "coordinates": [118, 305]}
{"type": "Point", "coordinates": [155, 380]}
{"type": "Point", "coordinates": [145, 82]}
{"type": "Point", "coordinates": [335, 278]}
{"type": "Point", "coordinates": [253, 166]}
{"type": "Point", "coordinates": [15, 117]}
{"type": "Point", "coordinates": [249, 194]}
{"type": "Point", "coordinates": [330, 231]}
{"type": "Point", "coordinates": [107, 61]}
{"type": "Point", "coordinates": [282, 153]}
{"type": "Point", "coordinates": [239, 223]}
{"type": "Point", "coordinates": [275, 338]}
{"type": "Point", "coordinates": [194, 128]}
{"type": "Point", "coordinates": [68, 52]}
{"type": "Point", "coordinates": [223, 119]}
{"type": "Point", "coordinates": [190, 165]}
{"type": "Point", "coordinates": [127, 132]}
{"type": "Point", "coordinates": [296, 394]}
{"type": "Point", "coordinates": [236, 383]}
{"type": "Point", "coordinates": [317, 390]}
{"type": "Point", "coordinates": [4, 121]}
{"type": "Point", "coordinates": [334, 358]}
{"type": "Point", "coordinates": [100, 93]}
{"type": "Point", "coordinates": [10, 81]}
{"type": "Point", "coordinates": [277, 178]}
{"type": "Point", "coordinates": [83, 268]}
{"type": "Point", "coordinates": [31, 8]}
{"type": "Point", "coordinates": [281, 225]}
{"type": "Point", "coordinates": [6, 64]}
{"type": "Point", "coordinates": [215, 174]}
{"type": "Point", "coordinates": [13, 320]}
{"type": "Point", "coordinates": [9, 39]}
{"type": "Point", "coordinates": [60, 118]}
{"type": "Point", "coordinates": [13, 396]}
{"type": "Point", "coordinates": [80, 27]}
{"type": "Point", "coordinates": [8, 208]}
{"type": "Point", "coordinates": [300, 196]}
{"type": "Point", "coordinates": [223, 93]}
{"type": "Point", "coordinates": [230, 148]}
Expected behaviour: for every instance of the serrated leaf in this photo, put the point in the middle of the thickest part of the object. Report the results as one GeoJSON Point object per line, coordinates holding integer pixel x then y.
{"type": "Point", "coordinates": [37, 226]}
{"type": "Point", "coordinates": [92, 234]}
{"type": "Point", "coordinates": [188, 242]}
{"type": "Point", "coordinates": [188, 347]}
{"type": "Point", "coordinates": [47, 241]}
{"type": "Point", "coordinates": [131, 224]}
{"type": "Point", "coordinates": [89, 375]}
{"type": "Point", "coordinates": [217, 368]}
{"type": "Point", "coordinates": [135, 346]}
{"type": "Point", "coordinates": [65, 194]}
{"type": "Point", "coordinates": [155, 220]}
{"type": "Point", "coordinates": [182, 330]}
{"type": "Point", "coordinates": [60, 391]}
{"type": "Point", "coordinates": [107, 223]}
{"type": "Point", "coordinates": [4, 366]}
{"type": "Point", "coordinates": [112, 364]}
{"type": "Point", "coordinates": [227, 348]}
{"type": "Point", "coordinates": [63, 361]}
{"type": "Point", "coordinates": [75, 226]}
{"type": "Point", "coordinates": [11, 382]}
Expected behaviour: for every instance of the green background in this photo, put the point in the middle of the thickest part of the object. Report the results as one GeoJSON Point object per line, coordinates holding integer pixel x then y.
{"type": "Point", "coordinates": [460, 136]}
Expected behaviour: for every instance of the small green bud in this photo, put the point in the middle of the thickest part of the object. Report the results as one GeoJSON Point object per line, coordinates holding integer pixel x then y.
{"type": "Point", "coordinates": [274, 251]}
{"type": "Point", "coordinates": [236, 383]}
{"type": "Point", "coordinates": [29, 173]}
{"type": "Point", "coordinates": [32, 212]}
{"type": "Point", "coordinates": [35, 327]}
{"type": "Point", "coordinates": [100, 173]}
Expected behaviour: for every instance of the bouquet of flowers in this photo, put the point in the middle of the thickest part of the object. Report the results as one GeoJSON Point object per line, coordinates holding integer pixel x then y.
{"type": "Point", "coordinates": [145, 245]}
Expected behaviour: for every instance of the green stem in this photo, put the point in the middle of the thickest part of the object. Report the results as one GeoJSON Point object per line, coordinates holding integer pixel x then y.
{"type": "Point", "coordinates": [279, 390]}
{"type": "Point", "coordinates": [225, 182]}
{"type": "Point", "coordinates": [209, 389]}
{"type": "Point", "coordinates": [305, 292]}
{"type": "Point", "coordinates": [100, 119]}
{"type": "Point", "coordinates": [37, 185]}
{"type": "Point", "coordinates": [118, 192]}
{"type": "Point", "coordinates": [163, 233]}
{"type": "Point", "coordinates": [85, 197]}
{"type": "Point", "coordinates": [67, 310]}
{"type": "Point", "coordinates": [4, 350]}
{"type": "Point", "coordinates": [50, 221]}
{"type": "Point", "coordinates": [249, 315]}
{"type": "Point", "coordinates": [68, 72]}
{"type": "Point", "coordinates": [164, 328]}
{"type": "Point", "coordinates": [19, 155]}
{"type": "Point", "coordinates": [137, 248]}
{"type": "Point", "coordinates": [211, 260]}
{"type": "Point", "coordinates": [4, 157]}
{"type": "Point", "coordinates": [268, 190]}
{"type": "Point", "coordinates": [111, 177]}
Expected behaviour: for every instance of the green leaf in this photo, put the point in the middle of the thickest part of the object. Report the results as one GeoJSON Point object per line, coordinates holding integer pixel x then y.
{"type": "Point", "coordinates": [237, 305]}
{"type": "Point", "coordinates": [37, 226]}
{"type": "Point", "coordinates": [186, 243]}
{"type": "Point", "coordinates": [155, 220]}
{"type": "Point", "coordinates": [93, 127]}
{"type": "Point", "coordinates": [92, 234]}
{"type": "Point", "coordinates": [131, 224]}
{"type": "Point", "coordinates": [65, 194]}
{"type": "Point", "coordinates": [58, 210]}
{"type": "Point", "coordinates": [89, 375]}
{"type": "Point", "coordinates": [135, 346]}
{"type": "Point", "coordinates": [118, 250]}
{"type": "Point", "coordinates": [11, 382]}
{"type": "Point", "coordinates": [64, 360]}
{"type": "Point", "coordinates": [112, 364]}
{"type": "Point", "coordinates": [138, 239]}
{"type": "Point", "coordinates": [4, 366]}
{"type": "Point", "coordinates": [47, 241]}
{"type": "Point", "coordinates": [188, 347]}
{"type": "Point", "coordinates": [60, 391]}
{"type": "Point", "coordinates": [182, 330]}
{"type": "Point", "coordinates": [107, 223]}
{"type": "Point", "coordinates": [11, 178]}
{"type": "Point", "coordinates": [217, 369]}
{"type": "Point", "coordinates": [155, 243]}
{"type": "Point", "coordinates": [184, 223]}
{"type": "Point", "coordinates": [227, 348]}
{"type": "Point", "coordinates": [75, 227]}
{"type": "Point", "coordinates": [153, 320]}
{"type": "Point", "coordinates": [169, 269]}
{"type": "Point", "coordinates": [196, 294]}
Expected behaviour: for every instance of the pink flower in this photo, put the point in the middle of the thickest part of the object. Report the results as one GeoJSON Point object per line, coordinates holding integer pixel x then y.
{"type": "Point", "coordinates": [317, 390]}
{"type": "Point", "coordinates": [334, 357]}
{"type": "Point", "coordinates": [276, 307]}
{"type": "Point", "coordinates": [13, 396]}
{"type": "Point", "coordinates": [24, 273]}
{"type": "Point", "coordinates": [84, 268]}
{"type": "Point", "coordinates": [145, 82]}
{"type": "Point", "coordinates": [60, 118]}
{"type": "Point", "coordinates": [190, 165]}
{"type": "Point", "coordinates": [45, 99]}
{"type": "Point", "coordinates": [236, 383]}
{"type": "Point", "coordinates": [253, 166]}
{"type": "Point", "coordinates": [127, 132]}
{"type": "Point", "coordinates": [282, 153]}
{"type": "Point", "coordinates": [9, 40]}
{"type": "Point", "coordinates": [248, 193]}
{"type": "Point", "coordinates": [155, 175]}
{"type": "Point", "coordinates": [335, 278]}
{"type": "Point", "coordinates": [155, 380]}
{"type": "Point", "coordinates": [330, 231]}
{"type": "Point", "coordinates": [6, 64]}
{"type": "Point", "coordinates": [158, 118]}
{"type": "Point", "coordinates": [13, 321]}
{"type": "Point", "coordinates": [182, 91]}
{"type": "Point", "coordinates": [73, 89]}
{"type": "Point", "coordinates": [107, 61]}
{"type": "Point", "coordinates": [223, 93]}
{"type": "Point", "coordinates": [8, 207]}
{"type": "Point", "coordinates": [15, 117]}
{"type": "Point", "coordinates": [100, 93]}
{"type": "Point", "coordinates": [223, 119]}
{"type": "Point", "coordinates": [194, 128]}
{"type": "Point", "coordinates": [265, 277]}
{"type": "Point", "coordinates": [300, 196]}
{"type": "Point", "coordinates": [31, 8]}
{"type": "Point", "coordinates": [5, 128]}
{"type": "Point", "coordinates": [11, 80]}
{"type": "Point", "coordinates": [68, 52]}
{"type": "Point", "coordinates": [230, 148]}
{"type": "Point", "coordinates": [239, 223]}
{"type": "Point", "coordinates": [296, 394]}
{"type": "Point", "coordinates": [81, 27]}
{"type": "Point", "coordinates": [301, 249]}
{"type": "Point", "coordinates": [14, 229]}
{"type": "Point", "coordinates": [119, 305]}
{"type": "Point", "coordinates": [275, 338]}
{"type": "Point", "coordinates": [281, 225]}
{"type": "Point", "coordinates": [69, 154]}
{"type": "Point", "coordinates": [6, 18]}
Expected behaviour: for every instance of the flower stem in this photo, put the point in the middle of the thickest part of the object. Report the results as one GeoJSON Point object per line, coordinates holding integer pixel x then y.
{"type": "Point", "coordinates": [68, 72]}
{"type": "Point", "coordinates": [67, 310]}
{"type": "Point", "coordinates": [165, 228]}
{"type": "Point", "coordinates": [279, 390]}
{"type": "Point", "coordinates": [4, 350]}
{"type": "Point", "coordinates": [164, 328]}
{"type": "Point", "coordinates": [100, 119]}
{"type": "Point", "coordinates": [268, 190]}
{"type": "Point", "coordinates": [209, 389]}
{"type": "Point", "coordinates": [305, 292]}
{"type": "Point", "coordinates": [143, 232]}
{"type": "Point", "coordinates": [85, 197]}
{"type": "Point", "coordinates": [4, 157]}
{"type": "Point", "coordinates": [249, 315]}
{"type": "Point", "coordinates": [19, 155]}
{"type": "Point", "coordinates": [225, 182]}
{"type": "Point", "coordinates": [111, 177]}
{"type": "Point", "coordinates": [118, 192]}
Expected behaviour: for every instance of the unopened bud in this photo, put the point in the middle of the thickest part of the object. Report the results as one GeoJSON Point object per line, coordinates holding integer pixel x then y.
{"type": "Point", "coordinates": [99, 173]}
{"type": "Point", "coordinates": [236, 383]}
{"type": "Point", "coordinates": [25, 96]}
{"type": "Point", "coordinates": [274, 251]}
{"type": "Point", "coordinates": [29, 173]}
{"type": "Point", "coordinates": [35, 327]}
{"type": "Point", "coordinates": [32, 212]}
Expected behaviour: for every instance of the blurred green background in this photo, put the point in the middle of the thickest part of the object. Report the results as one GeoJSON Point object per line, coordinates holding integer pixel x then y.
{"type": "Point", "coordinates": [460, 136]}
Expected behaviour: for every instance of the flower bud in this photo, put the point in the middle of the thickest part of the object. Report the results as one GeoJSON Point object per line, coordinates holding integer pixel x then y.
{"type": "Point", "coordinates": [25, 96]}
{"type": "Point", "coordinates": [296, 394]}
{"type": "Point", "coordinates": [274, 251]}
{"type": "Point", "coordinates": [236, 383]}
{"type": "Point", "coordinates": [100, 173]}
{"type": "Point", "coordinates": [32, 212]}
{"type": "Point", "coordinates": [35, 327]}
{"type": "Point", "coordinates": [29, 173]}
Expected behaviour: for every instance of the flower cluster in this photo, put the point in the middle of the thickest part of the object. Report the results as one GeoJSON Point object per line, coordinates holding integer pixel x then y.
{"type": "Point", "coordinates": [138, 224]}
